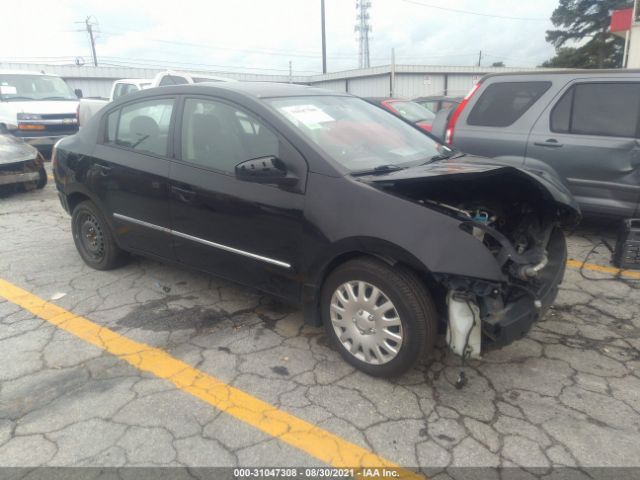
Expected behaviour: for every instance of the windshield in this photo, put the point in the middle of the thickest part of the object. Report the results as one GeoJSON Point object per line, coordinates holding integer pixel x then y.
{"type": "Point", "coordinates": [34, 87]}
{"type": "Point", "coordinates": [355, 133]}
{"type": "Point", "coordinates": [412, 111]}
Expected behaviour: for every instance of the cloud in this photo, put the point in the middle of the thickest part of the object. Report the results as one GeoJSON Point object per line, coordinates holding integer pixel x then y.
{"type": "Point", "coordinates": [255, 34]}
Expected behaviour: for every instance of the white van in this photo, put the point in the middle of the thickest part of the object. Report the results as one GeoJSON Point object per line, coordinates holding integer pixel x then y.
{"type": "Point", "coordinates": [38, 107]}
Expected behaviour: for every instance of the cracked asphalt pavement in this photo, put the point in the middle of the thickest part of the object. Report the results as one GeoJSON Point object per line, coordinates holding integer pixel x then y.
{"type": "Point", "coordinates": [566, 395]}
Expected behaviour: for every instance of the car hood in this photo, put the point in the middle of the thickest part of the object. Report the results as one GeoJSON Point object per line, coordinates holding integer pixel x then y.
{"type": "Point", "coordinates": [470, 167]}
{"type": "Point", "coordinates": [14, 150]}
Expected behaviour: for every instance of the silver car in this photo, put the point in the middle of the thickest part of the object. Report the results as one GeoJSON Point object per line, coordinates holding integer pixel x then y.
{"type": "Point", "coordinates": [583, 125]}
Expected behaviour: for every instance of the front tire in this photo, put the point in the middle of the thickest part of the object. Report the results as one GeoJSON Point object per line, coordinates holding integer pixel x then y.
{"type": "Point", "coordinates": [380, 318]}
{"type": "Point", "coordinates": [93, 238]}
{"type": "Point", "coordinates": [42, 178]}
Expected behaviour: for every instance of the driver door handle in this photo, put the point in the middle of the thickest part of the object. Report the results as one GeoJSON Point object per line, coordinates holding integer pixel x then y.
{"type": "Point", "coordinates": [549, 142]}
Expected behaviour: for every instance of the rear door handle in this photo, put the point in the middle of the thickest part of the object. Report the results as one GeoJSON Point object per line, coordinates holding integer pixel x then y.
{"type": "Point", "coordinates": [550, 142]}
{"type": "Point", "coordinates": [184, 194]}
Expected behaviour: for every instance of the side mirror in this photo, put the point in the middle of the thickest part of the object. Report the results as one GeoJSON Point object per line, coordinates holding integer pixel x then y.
{"type": "Point", "coordinates": [78, 92]}
{"type": "Point", "coordinates": [269, 170]}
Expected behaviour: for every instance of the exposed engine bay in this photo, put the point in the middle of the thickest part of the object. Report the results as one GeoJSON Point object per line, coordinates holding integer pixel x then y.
{"type": "Point", "coordinates": [519, 222]}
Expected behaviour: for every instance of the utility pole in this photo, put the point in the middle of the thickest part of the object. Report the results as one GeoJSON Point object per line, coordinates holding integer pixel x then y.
{"type": "Point", "coordinates": [290, 72]}
{"type": "Point", "coordinates": [627, 39]}
{"type": "Point", "coordinates": [363, 28]}
{"type": "Point", "coordinates": [324, 39]}
{"type": "Point", "coordinates": [89, 27]}
{"type": "Point", "coordinates": [480, 58]}
{"type": "Point", "coordinates": [393, 72]}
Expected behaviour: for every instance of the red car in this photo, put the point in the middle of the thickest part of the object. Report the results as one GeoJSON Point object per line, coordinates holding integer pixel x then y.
{"type": "Point", "coordinates": [406, 109]}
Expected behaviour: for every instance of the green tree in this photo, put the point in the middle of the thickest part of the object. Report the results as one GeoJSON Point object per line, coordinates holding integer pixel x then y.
{"type": "Point", "coordinates": [497, 64]}
{"type": "Point", "coordinates": [586, 23]}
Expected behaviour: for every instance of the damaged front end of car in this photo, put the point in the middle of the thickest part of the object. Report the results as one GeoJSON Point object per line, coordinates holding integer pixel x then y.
{"type": "Point", "coordinates": [518, 216]}
{"type": "Point", "coordinates": [20, 164]}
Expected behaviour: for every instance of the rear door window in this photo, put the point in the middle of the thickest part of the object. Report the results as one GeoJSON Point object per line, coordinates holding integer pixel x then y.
{"type": "Point", "coordinates": [605, 109]}
{"type": "Point", "coordinates": [501, 104]}
{"type": "Point", "coordinates": [142, 126]}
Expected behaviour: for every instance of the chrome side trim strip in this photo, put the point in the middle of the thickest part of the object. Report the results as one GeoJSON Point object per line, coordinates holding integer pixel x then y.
{"type": "Point", "coordinates": [202, 241]}
{"type": "Point", "coordinates": [231, 249]}
{"type": "Point", "coordinates": [142, 222]}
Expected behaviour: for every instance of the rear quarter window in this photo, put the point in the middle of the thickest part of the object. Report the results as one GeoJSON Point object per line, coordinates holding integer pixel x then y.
{"type": "Point", "coordinates": [502, 103]}
{"type": "Point", "coordinates": [604, 109]}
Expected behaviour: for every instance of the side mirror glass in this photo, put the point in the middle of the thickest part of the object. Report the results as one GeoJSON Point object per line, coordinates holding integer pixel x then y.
{"type": "Point", "coordinates": [270, 170]}
{"type": "Point", "coordinates": [78, 92]}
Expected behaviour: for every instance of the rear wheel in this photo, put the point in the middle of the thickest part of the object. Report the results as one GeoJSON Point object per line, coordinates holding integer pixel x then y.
{"type": "Point", "coordinates": [380, 318]}
{"type": "Point", "coordinates": [93, 238]}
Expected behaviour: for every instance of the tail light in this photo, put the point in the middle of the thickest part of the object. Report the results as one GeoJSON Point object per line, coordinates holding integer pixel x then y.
{"type": "Point", "coordinates": [448, 136]}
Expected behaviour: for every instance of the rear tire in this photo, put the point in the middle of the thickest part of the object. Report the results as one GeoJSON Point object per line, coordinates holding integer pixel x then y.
{"type": "Point", "coordinates": [94, 239]}
{"type": "Point", "coordinates": [380, 318]}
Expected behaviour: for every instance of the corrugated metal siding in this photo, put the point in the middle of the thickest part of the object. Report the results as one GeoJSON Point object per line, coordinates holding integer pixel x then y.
{"type": "Point", "coordinates": [92, 87]}
{"type": "Point", "coordinates": [410, 85]}
{"type": "Point", "coordinates": [335, 85]}
{"type": "Point", "coordinates": [370, 86]}
{"type": "Point", "coordinates": [410, 80]}
{"type": "Point", "coordinates": [459, 85]}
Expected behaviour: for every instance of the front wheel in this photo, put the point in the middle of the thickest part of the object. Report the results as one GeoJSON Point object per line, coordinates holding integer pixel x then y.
{"type": "Point", "coordinates": [93, 238]}
{"type": "Point", "coordinates": [42, 178]}
{"type": "Point", "coordinates": [381, 318]}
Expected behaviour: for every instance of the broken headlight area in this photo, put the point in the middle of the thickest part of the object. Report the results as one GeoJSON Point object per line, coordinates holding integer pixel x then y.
{"type": "Point", "coordinates": [517, 216]}
{"type": "Point", "coordinates": [483, 315]}
{"type": "Point", "coordinates": [520, 224]}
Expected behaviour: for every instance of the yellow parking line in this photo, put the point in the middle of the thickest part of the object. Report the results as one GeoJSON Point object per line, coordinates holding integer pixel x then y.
{"type": "Point", "coordinates": [600, 268]}
{"type": "Point", "coordinates": [315, 441]}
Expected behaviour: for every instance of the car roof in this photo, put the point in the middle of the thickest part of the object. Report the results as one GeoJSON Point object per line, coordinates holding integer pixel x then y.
{"type": "Point", "coordinates": [568, 71]}
{"type": "Point", "coordinates": [265, 89]}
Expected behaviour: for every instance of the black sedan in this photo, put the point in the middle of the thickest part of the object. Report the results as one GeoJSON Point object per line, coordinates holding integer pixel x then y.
{"type": "Point", "coordinates": [323, 199]}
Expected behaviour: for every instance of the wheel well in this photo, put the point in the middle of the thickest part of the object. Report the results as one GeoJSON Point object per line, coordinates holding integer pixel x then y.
{"type": "Point", "coordinates": [391, 261]}
{"type": "Point", "coordinates": [74, 199]}
{"type": "Point", "coordinates": [314, 315]}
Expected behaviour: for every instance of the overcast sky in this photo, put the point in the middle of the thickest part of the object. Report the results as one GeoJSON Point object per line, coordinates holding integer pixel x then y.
{"type": "Point", "coordinates": [263, 36]}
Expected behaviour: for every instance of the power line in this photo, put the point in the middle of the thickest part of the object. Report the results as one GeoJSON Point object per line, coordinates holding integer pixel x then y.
{"type": "Point", "coordinates": [276, 52]}
{"type": "Point", "coordinates": [146, 62]}
{"type": "Point", "coordinates": [479, 14]}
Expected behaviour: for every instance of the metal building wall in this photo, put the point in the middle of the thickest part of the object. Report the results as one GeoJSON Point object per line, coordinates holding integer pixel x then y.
{"type": "Point", "coordinates": [92, 87]}
{"type": "Point", "coordinates": [460, 84]}
{"type": "Point", "coordinates": [410, 80]}
{"type": "Point", "coordinates": [412, 85]}
{"type": "Point", "coordinates": [335, 85]}
{"type": "Point", "coordinates": [377, 86]}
